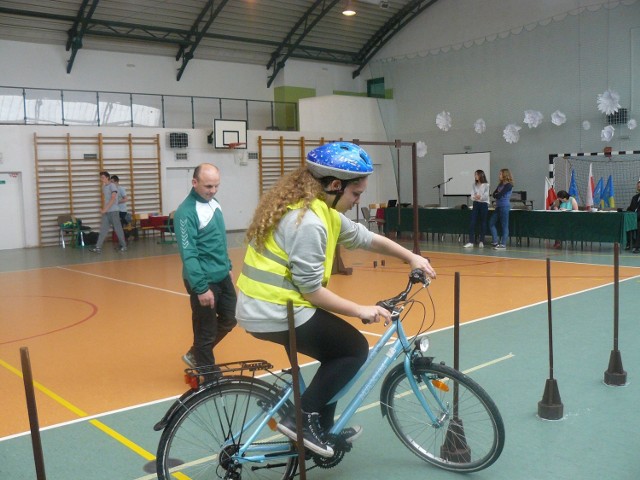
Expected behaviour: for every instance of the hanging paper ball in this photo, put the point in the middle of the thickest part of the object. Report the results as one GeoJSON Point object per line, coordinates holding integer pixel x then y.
{"type": "Point", "coordinates": [631, 124]}
{"type": "Point", "coordinates": [479, 126]}
{"type": "Point", "coordinates": [511, 133]}
{"type": "Point", "coordinates": [533, 118]}
{"type": "Point", "coordinates": [608, 102]}
{"type": "Point", "coordinates": [558, 118]}
{"type": "Point", "coordinates": [421, 149]}
{"type": "Point", "coordinates": [443, 121]}
{"type": "Point", "coordinates": [586, 125]}
{"type": "Point", "coordinates": [607, 133]}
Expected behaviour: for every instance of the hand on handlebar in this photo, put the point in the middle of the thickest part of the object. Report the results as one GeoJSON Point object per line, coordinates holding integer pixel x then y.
{"type": "Point", "coordinates": [419, 262]}
{"type": "Point", "coordinates": [373, 314]}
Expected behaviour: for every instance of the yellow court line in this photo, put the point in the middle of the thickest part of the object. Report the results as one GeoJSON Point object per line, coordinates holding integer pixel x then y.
{"type": "Point", "coordinates": [81, 413]}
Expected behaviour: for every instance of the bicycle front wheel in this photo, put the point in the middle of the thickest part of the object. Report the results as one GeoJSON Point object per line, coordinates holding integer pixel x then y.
{"type": "Point", "coordinates": [467, 434]}
{"type": "Point", "coordinates": [203, 438]}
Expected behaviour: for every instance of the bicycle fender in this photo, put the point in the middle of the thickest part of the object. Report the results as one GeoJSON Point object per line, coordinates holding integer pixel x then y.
{"type": "Point", "coordinates": [393, 373]}
{"type": "Point", "coordinates": [192, 393]}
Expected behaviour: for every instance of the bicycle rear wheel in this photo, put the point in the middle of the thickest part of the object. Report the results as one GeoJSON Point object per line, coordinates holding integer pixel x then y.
{"type": "Point", "coordinates": [468, 435]}
{"type": "Point", "coordinates": [202, 439]}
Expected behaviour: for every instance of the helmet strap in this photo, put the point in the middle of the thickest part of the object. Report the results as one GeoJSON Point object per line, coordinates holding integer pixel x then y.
{"type": "Point", "coordinates": [337, 191]}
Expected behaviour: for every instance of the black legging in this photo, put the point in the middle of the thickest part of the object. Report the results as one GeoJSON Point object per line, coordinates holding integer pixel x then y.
{"type": "Point", "coordinates": [341, 350]}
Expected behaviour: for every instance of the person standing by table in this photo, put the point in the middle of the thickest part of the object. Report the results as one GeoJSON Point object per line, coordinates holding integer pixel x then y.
{"type": "Point", "coordinates": [206, 266]}
{"type": "Point", "coordinates": [502, 196]}
{"type": "Point", "coordinates": [634, 206]}
{"type": "Point", "coordinates": [480, 197]}
{"type": "Point", "coordinates": [565, 203]}
{"type": "Point", "coordinates": [110, 214]}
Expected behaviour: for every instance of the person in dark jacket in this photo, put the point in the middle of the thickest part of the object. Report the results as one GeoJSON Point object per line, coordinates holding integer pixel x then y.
{"type": "Point", "coordinates": [633, 237]}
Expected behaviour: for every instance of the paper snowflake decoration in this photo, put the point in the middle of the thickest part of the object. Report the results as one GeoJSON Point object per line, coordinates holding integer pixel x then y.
{"type": "Point", "coordinates": [631, 124]}
{"type": "Point", "coordinates": [511, 133]}
{"type": "Point", "coordinates": [586, 125]}
{"type": "Point", "coordinates": [421, 149]}
{"type": "Point", "coordinates": [480, 126]}
{"type": "Point", "coordinates": [533, 118]}
{"type": "Point", "coordinates": [607, 133]}
{"type": "Point", "coordinates": [608, 102]}
{"type": "Point", "coordinates": [558, 118]}
{"type": "Point", "coordinates": [443, 121]}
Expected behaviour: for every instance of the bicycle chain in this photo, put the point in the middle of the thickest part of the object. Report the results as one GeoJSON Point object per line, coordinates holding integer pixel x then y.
{"type": "Point", "coordinates": [340, 447]}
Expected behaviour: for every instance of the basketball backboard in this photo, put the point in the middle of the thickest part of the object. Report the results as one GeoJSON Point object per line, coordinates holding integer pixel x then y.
{"type": "Point", "coordinates": [226, 132]}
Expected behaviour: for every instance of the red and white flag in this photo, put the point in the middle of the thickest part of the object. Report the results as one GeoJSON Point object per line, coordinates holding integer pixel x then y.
{"type": "Point", "coordinates": [549, 193]}
{"type": "Point", "coordinates": [590, 188]}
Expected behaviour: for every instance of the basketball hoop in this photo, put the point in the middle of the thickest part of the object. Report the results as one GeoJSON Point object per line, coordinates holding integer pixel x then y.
{"type": "Point", "coordinates": [239, 153]}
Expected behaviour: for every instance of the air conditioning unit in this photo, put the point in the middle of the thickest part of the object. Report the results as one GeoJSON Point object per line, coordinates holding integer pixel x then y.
{"type": "Point", "coordinates": [178, 140]}
{"type": "Point", "coordinates": [621, 116]}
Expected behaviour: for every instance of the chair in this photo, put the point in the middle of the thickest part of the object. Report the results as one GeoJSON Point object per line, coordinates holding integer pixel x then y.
{"type": "Point", "coordinates": [167, 228]}
{"type": "Point", "coordinates": [70, 225]}
{"type": "Point", "coordinates": [368, 217]}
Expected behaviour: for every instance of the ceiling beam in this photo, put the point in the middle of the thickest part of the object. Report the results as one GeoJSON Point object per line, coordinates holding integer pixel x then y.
{"type": "Point", "coordinates": [77, 30]}
{"type": "Point", "coordinates": [301, 28]}
{"type": "Point", "coordinates": [396, 23]}
{"type": "Point", "coordinates": [197, 32]}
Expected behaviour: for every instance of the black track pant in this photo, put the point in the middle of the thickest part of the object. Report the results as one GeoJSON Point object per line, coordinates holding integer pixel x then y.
{"type": "Point", "coordinates": [341, 351]}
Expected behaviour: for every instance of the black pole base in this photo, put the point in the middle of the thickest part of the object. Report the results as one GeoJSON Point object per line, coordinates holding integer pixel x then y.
{"type": "Point", "coordinates": [550, 407]}
{"type": "Point", "coordinates": [615, 374]}
{"type": "Point", "coordinates": [455, 448]}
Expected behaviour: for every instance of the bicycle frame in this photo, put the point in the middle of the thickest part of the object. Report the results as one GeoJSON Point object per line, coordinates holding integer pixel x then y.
{"type": "Point", "coordinates": [399, 346]}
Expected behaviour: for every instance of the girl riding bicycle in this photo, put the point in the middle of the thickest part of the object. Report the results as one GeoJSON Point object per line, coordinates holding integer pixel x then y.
{"type": "Point", "coordinates": [292, 242]}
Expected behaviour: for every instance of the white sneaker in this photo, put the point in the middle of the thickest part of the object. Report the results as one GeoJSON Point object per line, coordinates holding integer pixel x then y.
{"type": "Point", "coordinates": [467, 245]}
{"type": "Point", "coordinates": [481, 245]}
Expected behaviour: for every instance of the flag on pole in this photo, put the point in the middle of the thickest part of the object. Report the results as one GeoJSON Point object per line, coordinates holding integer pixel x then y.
{"type": "Point", "coordinates": [573, 187]}
{"type": "Point", "coordinates": [549, 193]}
{"type": "Point", "coordinates": [597, 194]}
{"type": "Point", "coordinates": [608, 194]}
{"type": "Point", "coordinates": [590, 188]}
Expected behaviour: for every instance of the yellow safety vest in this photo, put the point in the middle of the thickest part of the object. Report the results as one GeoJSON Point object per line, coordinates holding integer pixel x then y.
{"type": "Point", "coordinates": [266, 275]}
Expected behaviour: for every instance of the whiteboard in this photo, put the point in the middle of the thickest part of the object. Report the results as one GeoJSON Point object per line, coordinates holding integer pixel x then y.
{"type": "Point", "coordinates": [461, 167]}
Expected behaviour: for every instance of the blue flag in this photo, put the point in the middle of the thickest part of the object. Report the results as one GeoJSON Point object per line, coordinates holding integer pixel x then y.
{"type": "Point", "coordinates": [597, 194]}
{"type": "Point", "coordinates": [573, 187]}
{"type": "Point", "coordinates": [608, 194]}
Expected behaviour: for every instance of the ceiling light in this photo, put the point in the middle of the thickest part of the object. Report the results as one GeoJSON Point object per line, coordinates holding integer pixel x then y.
{"type": "Point", "coordinates": [348, 9]}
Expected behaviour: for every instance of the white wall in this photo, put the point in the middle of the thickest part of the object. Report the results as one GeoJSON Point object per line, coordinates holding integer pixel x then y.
{"type": "Point", "coordinates": [45, 66]}
{"type": "Point", "coordinates": [239, 183]}
{"type": "Point", "coordinates": [561, 62]}
{"type": "Point", "coordinates": [354, 118]}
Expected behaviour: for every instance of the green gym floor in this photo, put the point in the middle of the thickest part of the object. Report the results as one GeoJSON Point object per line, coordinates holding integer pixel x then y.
{"type": "Point", "coordinates": [105, 334]}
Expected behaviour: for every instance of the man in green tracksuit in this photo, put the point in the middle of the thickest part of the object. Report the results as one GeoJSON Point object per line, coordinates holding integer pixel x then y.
{"type": "Point", "coordinates": [202, 243]}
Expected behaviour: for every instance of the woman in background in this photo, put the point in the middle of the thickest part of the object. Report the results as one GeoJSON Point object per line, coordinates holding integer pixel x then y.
{"type": "Point", "coordinates": [502, 196]}
{"type": "Point", "coordinates": [480, 197]}
{"type": "Point", "coordinates": [566, 203]}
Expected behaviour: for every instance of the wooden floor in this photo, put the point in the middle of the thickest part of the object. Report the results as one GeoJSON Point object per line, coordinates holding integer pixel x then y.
{"type": "Point", "coordinates": [106, 333]}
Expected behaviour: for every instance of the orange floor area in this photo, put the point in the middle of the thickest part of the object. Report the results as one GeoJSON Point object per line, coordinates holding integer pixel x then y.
{"type": "Point", "coordinates": [110, 335]}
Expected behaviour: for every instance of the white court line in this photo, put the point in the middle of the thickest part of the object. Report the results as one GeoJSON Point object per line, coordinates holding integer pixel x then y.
{"type": "Point", "coordinates": [373, 334]}
{"type": "Point", "coordinates": [104, 277]}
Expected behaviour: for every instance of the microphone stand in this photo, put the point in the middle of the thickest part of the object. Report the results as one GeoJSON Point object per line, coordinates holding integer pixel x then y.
{"type": "Point", "coordinates": [439, 187]}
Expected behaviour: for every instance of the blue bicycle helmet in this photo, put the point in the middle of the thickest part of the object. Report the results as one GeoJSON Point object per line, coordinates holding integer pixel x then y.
{"type": "Point", "coordinates": [342, 160]}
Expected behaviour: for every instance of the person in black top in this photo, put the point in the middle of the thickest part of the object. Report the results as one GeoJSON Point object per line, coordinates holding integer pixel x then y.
{"type": "Point", "coordinates": [634, 206]}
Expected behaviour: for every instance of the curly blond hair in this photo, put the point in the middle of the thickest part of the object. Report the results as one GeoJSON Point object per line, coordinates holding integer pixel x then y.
{"type": "Point", "coordinates": [298, 186]}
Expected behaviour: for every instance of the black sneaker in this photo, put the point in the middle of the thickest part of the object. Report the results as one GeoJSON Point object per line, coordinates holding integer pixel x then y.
{"type": "Point", "coordinates": [190, 359]}
{"type": "Point", "coordinates": [95, 250]}
{"type": "Point", "coordinates": [351, 434]}
{"type": "Point", "coordinates": [311, 432]}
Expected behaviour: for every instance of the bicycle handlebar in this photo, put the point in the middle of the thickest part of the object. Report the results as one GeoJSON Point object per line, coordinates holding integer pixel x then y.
{"type": "Point", "coordinates": [415, 276]}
